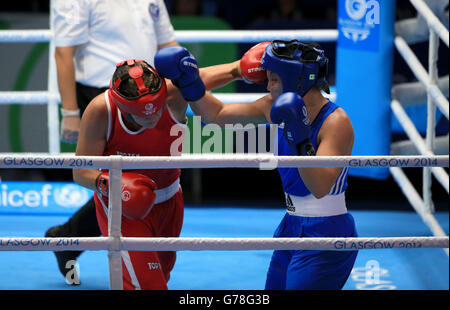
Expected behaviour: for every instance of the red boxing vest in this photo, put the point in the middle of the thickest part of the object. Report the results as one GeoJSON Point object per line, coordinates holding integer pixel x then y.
{"type": "Point", "coordinates": [157, 141]}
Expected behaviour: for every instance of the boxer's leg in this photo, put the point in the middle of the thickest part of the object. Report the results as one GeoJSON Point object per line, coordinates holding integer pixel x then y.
{"type": "Point", "coordinates": [140, 269]}
{"type": "Point", "coordinates": [167, 220]}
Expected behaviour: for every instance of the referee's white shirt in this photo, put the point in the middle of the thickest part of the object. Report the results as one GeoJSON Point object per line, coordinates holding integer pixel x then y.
{"type": "Point", "coordinates": [109, 31]}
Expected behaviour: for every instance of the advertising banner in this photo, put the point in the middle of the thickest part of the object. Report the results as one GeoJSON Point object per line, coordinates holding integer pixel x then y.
{"type": "Point", "coordinates": [42, 197]}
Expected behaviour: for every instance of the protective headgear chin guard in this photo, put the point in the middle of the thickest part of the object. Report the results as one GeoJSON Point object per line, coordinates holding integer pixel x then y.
{"type": "Point", "coordinates": [148, 102]}
{"type": "Point", "coordinates": [287, 59]}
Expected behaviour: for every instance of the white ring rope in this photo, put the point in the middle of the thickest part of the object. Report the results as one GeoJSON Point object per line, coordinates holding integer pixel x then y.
{"type": "Point", "coordinates": [218, 161]}
{"type": "Point", "coordinates": [116, 243]}
{"type": "Point", "coordinates": [415, 137]}
{"type": "Point", "coordinates": [432, 21]}
{"type": "Point", "coordinates": [26, 97]}
{"type": "Point", "coordinates": [205, 161]}
{"type": "Point", "coordinates": [25, 36]}
{"type": "Point", "coordinates": [422, 75]}
{"type": "Point", "coordinates": [255, 36]}
{"type": "Point", "coordinates": [195, 36]}
{"type": "Point", "coordinates": [43, 97]}
{"type": "Point", "coordinates": [218, 244]}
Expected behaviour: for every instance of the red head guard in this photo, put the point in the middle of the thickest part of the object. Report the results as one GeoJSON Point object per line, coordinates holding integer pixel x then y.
{"type": "Point", "coordinates": [147, 102]}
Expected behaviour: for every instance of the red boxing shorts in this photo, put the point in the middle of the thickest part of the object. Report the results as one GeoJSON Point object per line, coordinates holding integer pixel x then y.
{"type": "Point", "coordinates": [147, 270]}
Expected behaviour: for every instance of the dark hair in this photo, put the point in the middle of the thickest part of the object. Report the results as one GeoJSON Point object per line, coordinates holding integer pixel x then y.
{"type": "Point", "coordinates": [311, 54]}
{"type": "Point", "coordinates": [128, 87]}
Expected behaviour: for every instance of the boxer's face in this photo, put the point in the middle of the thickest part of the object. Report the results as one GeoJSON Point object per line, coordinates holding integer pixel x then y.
{"type": "Point", "coordinates": [149, 121]}
{"type": "Point", "coordinates": [274, 85]}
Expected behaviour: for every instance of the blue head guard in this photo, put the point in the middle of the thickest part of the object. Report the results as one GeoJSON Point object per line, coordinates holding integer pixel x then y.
{"type": "Point", "coordinates": [299, 65]}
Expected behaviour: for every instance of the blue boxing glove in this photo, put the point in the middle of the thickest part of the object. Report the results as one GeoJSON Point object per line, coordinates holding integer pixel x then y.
{"type": "Point", "coordinates": [177, 64]}
{"type": "Point", "coordinates": [290, 109]}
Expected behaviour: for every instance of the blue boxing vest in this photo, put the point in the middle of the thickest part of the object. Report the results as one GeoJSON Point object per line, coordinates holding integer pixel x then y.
{"type": "Point", "coordinates": [290, 177]}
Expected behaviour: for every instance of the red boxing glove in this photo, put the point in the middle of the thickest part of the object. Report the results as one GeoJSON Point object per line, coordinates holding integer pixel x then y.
{"type": "Point", "coordinates": [250, 64]}
{"type": "Point", "coordinates": [138, 193]}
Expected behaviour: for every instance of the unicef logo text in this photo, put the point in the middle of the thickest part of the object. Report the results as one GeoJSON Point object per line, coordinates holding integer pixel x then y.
{"type": "Point", "coordinates": [358, 9]}
{"type": "Point", "coordinates": [70, 196]}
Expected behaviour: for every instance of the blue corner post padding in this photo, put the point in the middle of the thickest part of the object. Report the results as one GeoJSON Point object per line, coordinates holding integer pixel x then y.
{"type": "Point", "coordinates": [364, 75]}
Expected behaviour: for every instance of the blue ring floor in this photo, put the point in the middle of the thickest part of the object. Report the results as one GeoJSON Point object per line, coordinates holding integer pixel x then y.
{"type": "Point", "coordinates": [401, 269]}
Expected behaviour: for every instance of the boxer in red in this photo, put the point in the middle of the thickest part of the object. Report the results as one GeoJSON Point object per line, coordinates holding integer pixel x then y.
{"type": "Point", "coordinates": [134, 118]}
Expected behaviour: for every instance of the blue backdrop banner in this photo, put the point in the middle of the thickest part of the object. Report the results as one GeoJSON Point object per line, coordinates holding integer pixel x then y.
{"type": "Point", "coordinates": [42, 197]}
{"type": "Point", "coordinates": [364, 75]}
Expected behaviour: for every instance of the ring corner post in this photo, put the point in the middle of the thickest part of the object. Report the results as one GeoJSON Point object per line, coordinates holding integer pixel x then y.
{"type": "Point", "coordinates": [115, 223]}
{"type": "Point", "coordinates": [364, 75]}
{"type": "Point", "coordinates": [53, 101]}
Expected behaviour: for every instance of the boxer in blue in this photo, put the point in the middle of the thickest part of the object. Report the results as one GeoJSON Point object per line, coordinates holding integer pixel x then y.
{"type": "Point", "coordinates": [309, 125]}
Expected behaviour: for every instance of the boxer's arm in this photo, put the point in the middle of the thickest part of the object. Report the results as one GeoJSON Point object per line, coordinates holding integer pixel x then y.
{"type": "Point", "coordinates": [66, 76]}
{"type": "Point", "coordinates": [212, 110]}
{"type": "Point", "coordinates": [248, 68]}
{"type": "Point", "coordinates": [65, 68]}
{"type": "Point", "coordinates": [220, 75]}
{"type": "Point", "coordinates": [213, 77]}
{"type": "Point", "coordinates": [172, 43]}
{"type": "Point", "coordinates": [92, 139]}
{"type": "Point", "coordinates": [180, 66]}
{"type": "Point", "coordinates": [335, 138]}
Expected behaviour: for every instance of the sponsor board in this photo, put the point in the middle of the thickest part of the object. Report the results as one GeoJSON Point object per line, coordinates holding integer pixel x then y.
{"type": "Point", "coordinates": [359, 23]}
{"type": "Point", "coordinates": [42, 197]}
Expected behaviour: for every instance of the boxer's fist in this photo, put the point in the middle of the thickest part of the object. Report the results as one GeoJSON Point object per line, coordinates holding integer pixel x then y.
{"type": "Point", "coordinates": [251, 70]}
{"type": "Point", "coordinates": [138, 193]}
{"type": "Point", "coordinates": [70, 129]}
{"type": "Point", "coordinates": [290, 109]}
{"type": "Point", "coordinates": [177, 64]}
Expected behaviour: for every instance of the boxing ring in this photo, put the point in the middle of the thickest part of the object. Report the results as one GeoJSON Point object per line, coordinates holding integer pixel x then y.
{"type": "Point", "coordinates": [115, 243]}
{"type": "Point", "coordinates": [432, 165]}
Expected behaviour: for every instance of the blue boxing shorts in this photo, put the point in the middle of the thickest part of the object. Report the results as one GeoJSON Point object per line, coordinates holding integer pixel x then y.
{"type": "Point", "coordinates": [312, 269]}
